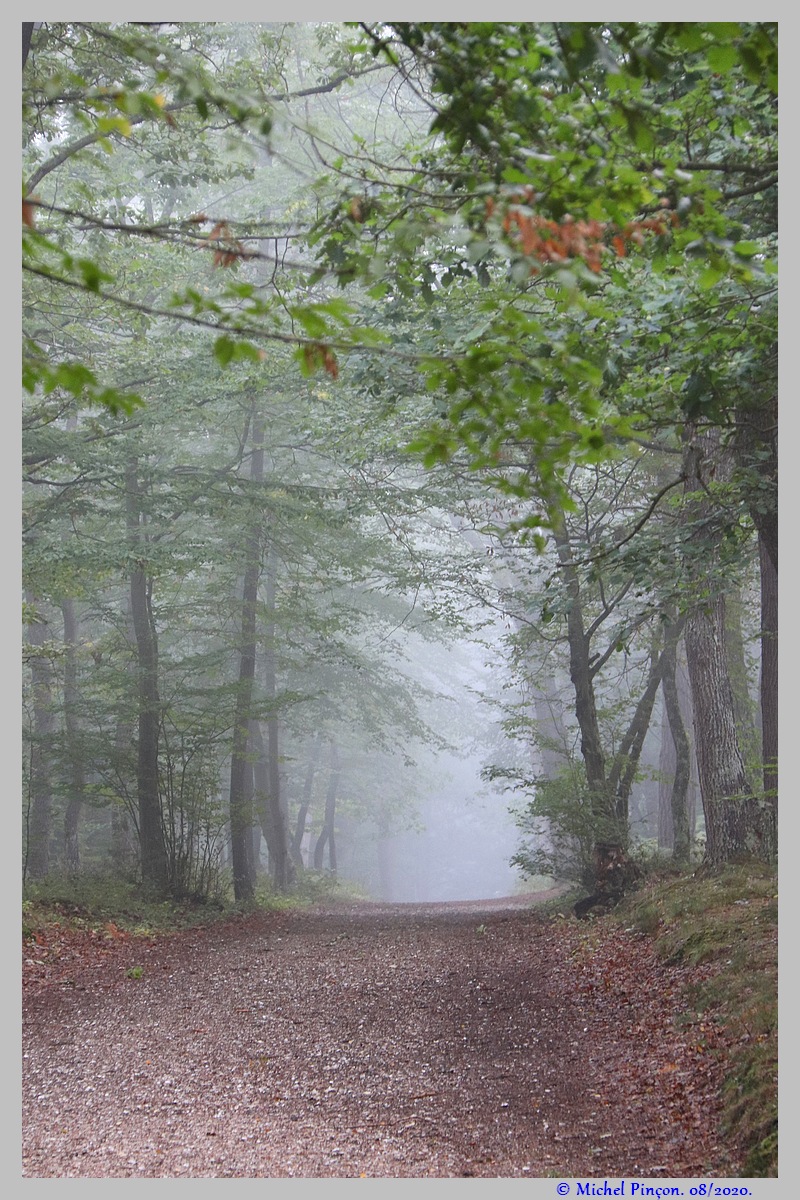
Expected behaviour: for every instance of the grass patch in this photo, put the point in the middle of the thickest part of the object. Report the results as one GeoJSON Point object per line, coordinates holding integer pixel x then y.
{"type": "Point", "coordinates": [91, 901]}
{"type": "Point", "coordinates": [729, 920]}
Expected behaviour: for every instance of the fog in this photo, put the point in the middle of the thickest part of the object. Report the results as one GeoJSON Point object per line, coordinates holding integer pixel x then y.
{"type": "Point", "coordinates": [448, 834]}
{"type": "Point", "coordinates": [463, 849]}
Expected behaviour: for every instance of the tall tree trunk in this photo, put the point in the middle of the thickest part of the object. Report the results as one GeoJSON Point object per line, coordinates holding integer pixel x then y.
{"type": "Point", "coordinates": [328, 834]}
{"type": "Point", "coordinates": [330, 808]}
{"type": "Point", "coordinates": [611, 861]}
{"type": "Point", "coordinates": [666, 779]}
{"type": "Point", "coordinates": [680, 836]}
{"type": "Point", "coordinates": [734, 827]}
{"type": "Point", "coordinates": [626, 761]}
{"type": "Point", "coordinates": [685, 702]}
{"type": "Point", "coordinates": [124, 825]}
{"type": "Point", "coordinates": [742, 704]}
{"type": "Point", "coordinates": [585, 706]}
{"type": "Point", "coordinates": [756, 449]}
{"type": "Point", "coordinates": [305, 802]}
{"type": "Point", "coordinates": [241, 814]}
{"type": "Point", "coordinates": [256, 832]}
{"type": "Point", "coordinates": [282, 866]}
{"type": "Point", "coordinates": [151, 833]}
{"type": "Point", "coordinates": [27, 34]}
{"type": "Point", "coordinates": [40, 814]}
{"type": "Point", "coordinates": [77, 781]}
{"type": "Point", "coordinates": [769, 692]}
{"type": "Point", "coordinates": [272, 817]}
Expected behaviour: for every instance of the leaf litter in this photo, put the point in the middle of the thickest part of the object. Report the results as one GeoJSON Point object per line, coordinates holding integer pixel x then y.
{"type": "Point", "coordinates": [386, 1041]}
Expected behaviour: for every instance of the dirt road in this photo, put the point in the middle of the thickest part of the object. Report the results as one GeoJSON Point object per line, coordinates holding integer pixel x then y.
{"type": "Point", "coordinates": [379, 1041]}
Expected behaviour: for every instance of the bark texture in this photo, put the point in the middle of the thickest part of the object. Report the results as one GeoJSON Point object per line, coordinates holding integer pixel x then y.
{"type": "Point", "coordinates": [769, 690]}
{"type": "Point", "coordinates": [241, 808]}
{"type": "Point", "coordinates": [151, 833]}
{"type": "Point", "coordinates": [281, 865]}
{"type": "Point", "coordinates": [735, 827]}
{"type": "Point", "coordinates": [77, 774]}
{"type": "Point", "coordinates": [681, 839]}
{"type": "Point", "coordinates": [328, 833]}
{"type": "Point", "coordinates": [40, 807]}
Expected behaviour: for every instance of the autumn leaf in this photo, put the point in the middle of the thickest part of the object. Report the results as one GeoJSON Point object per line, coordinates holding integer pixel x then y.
{"type": "Point", "coordinates": [330, 364]}
{"type": "Point", "coordinates": [228, 250]}
{"type": "Point", "coordinates": [315, 355]}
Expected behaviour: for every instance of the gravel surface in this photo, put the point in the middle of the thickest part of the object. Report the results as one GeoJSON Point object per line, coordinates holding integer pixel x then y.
{"type": "Point", "coordinates": [449, 1040]}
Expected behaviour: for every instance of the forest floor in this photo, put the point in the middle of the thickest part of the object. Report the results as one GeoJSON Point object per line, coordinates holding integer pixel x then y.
{"type": "Point", "coordinates": [488, 1039]}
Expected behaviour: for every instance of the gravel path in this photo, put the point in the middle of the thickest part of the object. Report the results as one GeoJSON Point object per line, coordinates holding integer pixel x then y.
{"type": "Point", "coordinates": [379, 1041]}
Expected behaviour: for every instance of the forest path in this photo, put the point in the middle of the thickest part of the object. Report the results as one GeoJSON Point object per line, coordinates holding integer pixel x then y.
{"type": "Point", "coordinates": [478, 1039]}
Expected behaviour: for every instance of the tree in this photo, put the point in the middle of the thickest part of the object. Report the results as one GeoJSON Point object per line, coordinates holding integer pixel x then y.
{"type": "Point", "coordinates": [644, 160]}
{"type": "Point", "coordinates": [151, 833]}
{"type": "Point", "coordinates": [561, 260]}
{"type": "Point", "coordinates": [40, 803]}
{"type": "Point", "coordinates": [737, 825]}
{"type": "Point", "coordinates": [680, 825]}
{"type": "Point", "coordinates": [240, 801]}
{"type": "Point", "coordinates": [72, 730]}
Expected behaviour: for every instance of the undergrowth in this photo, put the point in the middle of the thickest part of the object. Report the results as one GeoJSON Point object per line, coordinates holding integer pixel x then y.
{"type": "Point", "coordinates": [727, 919]}
{"type": "Point", "coordinates": [90, 901]}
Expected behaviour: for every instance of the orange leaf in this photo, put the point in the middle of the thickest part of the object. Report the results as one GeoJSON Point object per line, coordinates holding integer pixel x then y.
{"type": "Point", "coordinates": [330, 364]}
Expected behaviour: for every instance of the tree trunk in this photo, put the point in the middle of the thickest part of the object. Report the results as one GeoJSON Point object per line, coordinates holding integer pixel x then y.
{"type": "Point", "coordinates": [666, 779]}
{"type": "Point", "coordinates": [328, 835]}
{"type": "Point", "coordinates": [680, 835]}
{"type": "Point", "coordinates": [282, 866]}
{"type": "Point", "coordinates": [734, 826]}
{"type": "Point", "coordinates": [305, 802]}
{"type": "Point", "coordinates": [742, 704]}
{"type": "Point", "coordinates": [769, 692]}
{"type": "Point", "coordinates": [626, 761]}
{"type": "Point", "coordinates": [123, 851]}
{"type": "Point", "coordinates": [151, 833]}
{"type": "Point", "coordinates": [608, 834]}
{"type": "Point", "coordinates": [241, 814]}
{"type": "Point", "coordinates": [37, 862]}
{"type": "Point", "coordinates": [27, 34]}
{"type": "Point", "coordinates": [756, 448]}
{"type": "Point", "coordinates": [271, 816]}
{"type": "Point", "coordinates": [330, 808]}
{"type": "Point", "coordinates": [685, 702]}
{"type": "Point", "coordinates": [77, 782]}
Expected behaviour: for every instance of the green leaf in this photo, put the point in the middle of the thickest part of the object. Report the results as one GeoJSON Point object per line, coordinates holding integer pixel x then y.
{"type": "Point", "coordinates": [228, 349]}
{"type": "Point", "coordinates": [92, 275]}
{"type": "Point", "coordinates": [746, 249]}
{"type": "Point", "coordinates": [710, 277]}
{"type": "Point", "coordinates": [722, 58]}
